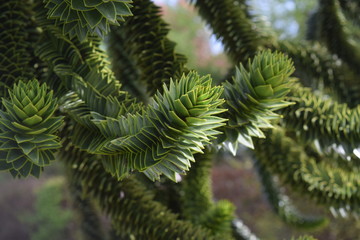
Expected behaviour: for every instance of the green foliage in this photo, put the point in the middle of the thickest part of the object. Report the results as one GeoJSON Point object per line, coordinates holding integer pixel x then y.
{"type": "Point", "coordinates": [124, 67]}
{"type": "Point", "coordinates": [238, 32]}
{"type": "Point", "coordinates": [218, 219]}
{"type": "Point", "coordinates": [109, 136]}
{"type": "Point", "coordinates": [315, 118]}
{"type": "Point", "coordinates": [336, 32]}
{"type": "Point", "coordinates": [327, 184]}
{"type": "Point", "coordinates": [175, 125]}
{"type": "Point", "coordinates": [130, 205]}
{"type": "Point", "coordinates": [85, 212]}
{"type": "Point", "coordinates": [145, 38]}
{"type": "Point", "coordinates": [27, 129]}
{"type": "Point", "coordinates": [254, 95]}
{"type": "Point", "coordinates": [83, 18]}
{"type": "Point", "coordinates": [50, 219]}
{"type": "Point", "coordinates": [305, 237]}
{"type": "Point", "coordinates": [197, 204]}
{"type": "Point", "coordinates": [282, 205]}
{"type": "Point", "coordinates": [318, 178]}
{"type": "Point", "coordinates": [197, 197]}
{"type": "Point", "coordinates": [318, 69]}
{"type": "Point", "coordinates": [14, 44]}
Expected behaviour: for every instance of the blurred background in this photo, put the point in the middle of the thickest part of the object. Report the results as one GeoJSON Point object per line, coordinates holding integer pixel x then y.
{"type": "Point", "coordinates": [22, 218]}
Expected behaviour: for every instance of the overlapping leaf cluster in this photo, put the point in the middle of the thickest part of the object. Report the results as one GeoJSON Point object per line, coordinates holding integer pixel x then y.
{"type": "Point", "coordinates": [83, 18]}
{"type": "Point", "coordinates": [314, 117]}
{"type": "Point", "coordinates": [255, 94]}
{"type": "Point", "coordinates": [333, 186]}
{"type": "Point", "coordinates": [146, 41]}
{"type": "Point", "coordinates": [96, 113]}
{"type": "Point", "coordinates": [317, 68]}
{"type": "Point", "coordinates": [106, 128]}
{"type": "Point", "coordinates": [124, 66]}
{"type": "Point", "coordinates": [162, 140]}
{"type": "Point", "coordinates": [14, 55]}
{"type": "Point", "coordinates": [134, 212]}
{"type": "Point", "coordinates": [27, 129]}
{"type": "Point", "coordinates": [83, 70]}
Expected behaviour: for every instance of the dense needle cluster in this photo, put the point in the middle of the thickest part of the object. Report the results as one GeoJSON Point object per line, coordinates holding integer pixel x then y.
{"type": "Point", "coordinates": [138, 130]}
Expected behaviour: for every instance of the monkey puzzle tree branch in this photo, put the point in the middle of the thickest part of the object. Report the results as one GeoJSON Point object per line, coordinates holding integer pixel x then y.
{"type": "Point", "coordinates": [232, 24]}
{"type": "Point", "coordinates": [145, 37]}
{"type": "Point", "coordinates": [14, 44]}
{"type": "Point", "coordinates": [331, 186]}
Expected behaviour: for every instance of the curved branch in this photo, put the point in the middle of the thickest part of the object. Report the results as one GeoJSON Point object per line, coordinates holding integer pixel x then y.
{"type": "Point", "coordinates": [334, 187]}
{"type": "Point", "coordinates": [145, 36]}
{"type": "Point", "coordinates": [14, 45]}
{"type": "Point", "coordinates": [231, 23]}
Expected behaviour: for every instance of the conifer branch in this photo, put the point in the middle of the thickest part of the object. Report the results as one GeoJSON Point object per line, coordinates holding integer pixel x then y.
{"type": "Point", "coordinates": [84, 18]}
{"type": "Point", "coordinates": [130, 205]}
{"type": "Point", "coordinates": [316, 66]}
{"type": "Point", "coordinates": [27, 129]}
{"type": "Point", "coordinates": [253, 97]}
{"type": "Point", "coordinates": [232, 24]}
{"type": "Point", "coordinates": [282, 205]}
{"type": "Point", "coordinates": [314, 117]}
{"type": "Point", "coordinates": [14, 44]}
{"type": "Point", "coordinates": [197, 200]}
{"type": "Point", "coordinates": [154, 54]}
{"type": "Point", "coordinates": [327, 185]}
{"type": "Point", "coordinates": [335, 32]}
{"type": "Point", "coordinates": [123, 65]}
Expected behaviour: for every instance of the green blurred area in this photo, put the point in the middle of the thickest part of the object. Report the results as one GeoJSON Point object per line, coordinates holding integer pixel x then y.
{"type": "Point", "coordinates": [52, 213]}
{"type": "Point", "coordinates": [36, 209]}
